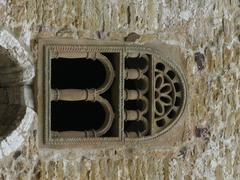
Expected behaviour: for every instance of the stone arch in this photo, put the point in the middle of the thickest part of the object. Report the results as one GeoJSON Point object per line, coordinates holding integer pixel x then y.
{"type": "Point", "coordinates": [16, 99]}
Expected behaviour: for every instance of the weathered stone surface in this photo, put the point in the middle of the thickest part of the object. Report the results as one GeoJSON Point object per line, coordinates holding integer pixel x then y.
{"type": "Point", "coordinates": [210, 27]}
{"type": "Point", "coordinates": [132, 37]}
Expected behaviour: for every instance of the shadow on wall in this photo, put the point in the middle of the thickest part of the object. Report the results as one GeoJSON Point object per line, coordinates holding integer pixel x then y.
{"type": "Point", "coordinates": [16, 100]}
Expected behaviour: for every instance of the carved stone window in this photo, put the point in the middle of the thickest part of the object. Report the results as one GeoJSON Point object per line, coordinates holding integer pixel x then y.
{"type": "Point", "coordinates": [106, 93]}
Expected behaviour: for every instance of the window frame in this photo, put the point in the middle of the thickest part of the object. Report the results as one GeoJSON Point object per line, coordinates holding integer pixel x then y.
{"type": "Point", "coordinates": [53, 48]}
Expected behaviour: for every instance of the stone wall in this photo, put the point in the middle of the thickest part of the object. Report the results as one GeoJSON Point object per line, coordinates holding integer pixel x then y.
{"type": "Point", "coordinates": [212, 27]}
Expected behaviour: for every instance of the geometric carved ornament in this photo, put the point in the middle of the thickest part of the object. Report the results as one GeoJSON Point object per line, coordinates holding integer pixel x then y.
{"type": "Point", "coordinates": [101, 93]}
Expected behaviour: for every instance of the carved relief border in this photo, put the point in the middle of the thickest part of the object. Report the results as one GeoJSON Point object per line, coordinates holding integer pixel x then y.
{"type": "Point", "coordinates": [73, 51]}
{"type": "Point", "coordinates": [69, 48]}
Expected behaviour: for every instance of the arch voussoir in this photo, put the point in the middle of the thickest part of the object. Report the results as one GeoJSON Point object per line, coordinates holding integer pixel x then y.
{"type": "Point", "coordinates": [16, 99]}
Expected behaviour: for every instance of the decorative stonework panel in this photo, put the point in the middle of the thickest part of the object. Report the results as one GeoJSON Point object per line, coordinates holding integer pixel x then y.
{"type": "Point", "coordinates": [106, 93]}
{"type": "Point", "coordinates": [169, 96]}
{"type": "Point", "coordinates": [88, 94]}
{"type": "Point", "coordinates": [137, 95]}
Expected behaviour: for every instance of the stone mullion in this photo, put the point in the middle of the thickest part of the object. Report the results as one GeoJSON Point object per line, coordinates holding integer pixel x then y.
{"type": "Point", "coordinates": [74, 94]}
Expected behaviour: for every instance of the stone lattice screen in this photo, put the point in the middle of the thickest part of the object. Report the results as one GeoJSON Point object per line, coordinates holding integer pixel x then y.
{"type": "Point", "coordinates": [95, 93]}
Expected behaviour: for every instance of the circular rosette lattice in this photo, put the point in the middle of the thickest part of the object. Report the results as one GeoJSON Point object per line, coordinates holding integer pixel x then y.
{"type": "Point", "coordinates": [169, 95]}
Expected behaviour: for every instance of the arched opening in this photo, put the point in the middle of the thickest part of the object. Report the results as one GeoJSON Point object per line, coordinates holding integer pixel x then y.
{"type": "Point", "coordinates": [12, 108]}
{"type": "Point", "coordinates": [75, 73]}
{"type": "Point", "coordinates": [16, 100]}
{"type": "Point", "coordinates": [76, 116]}
{"type": "Point", "coordinates": [10, 118]}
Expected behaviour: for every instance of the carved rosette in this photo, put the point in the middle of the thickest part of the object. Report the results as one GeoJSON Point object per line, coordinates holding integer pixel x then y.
{"type": "Point", "coordinates": [169, 95]}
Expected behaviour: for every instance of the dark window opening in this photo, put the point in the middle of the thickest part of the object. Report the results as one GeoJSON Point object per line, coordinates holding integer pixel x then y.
{"type": "Point", "coordinates": [135, 63]}
{"type": "Point", "coordinates": [160, 66]}
{"type": "Point", "coordinates": [178, 101]}
{"type": "Point", "coordinates": [136, 126]}
{"type": "Point", "coordinates": [136, 84]}
{"type": "Point", "coordinates": [77, 73]}
{"type": "Point", "coordinates": [161, 123]}
{"type": "Point", "coordinates": [172, 114]}
{"type": "Point", "coordinates": [177, 87]}
{"type": "Point", "coordinates": [76, 116]}
{"type": "Point", "coordinates": [112, 94]}
{"type": "Point", "coordinates": [135, 105]}
{"type": "Point", "coordinates": [171, 74]}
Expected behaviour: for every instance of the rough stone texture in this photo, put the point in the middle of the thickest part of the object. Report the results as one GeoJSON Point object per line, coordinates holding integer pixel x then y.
{"type": "Point", "coordinates": [211, 27]}
{"type": "Point", "coordinates": [16, 102]}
